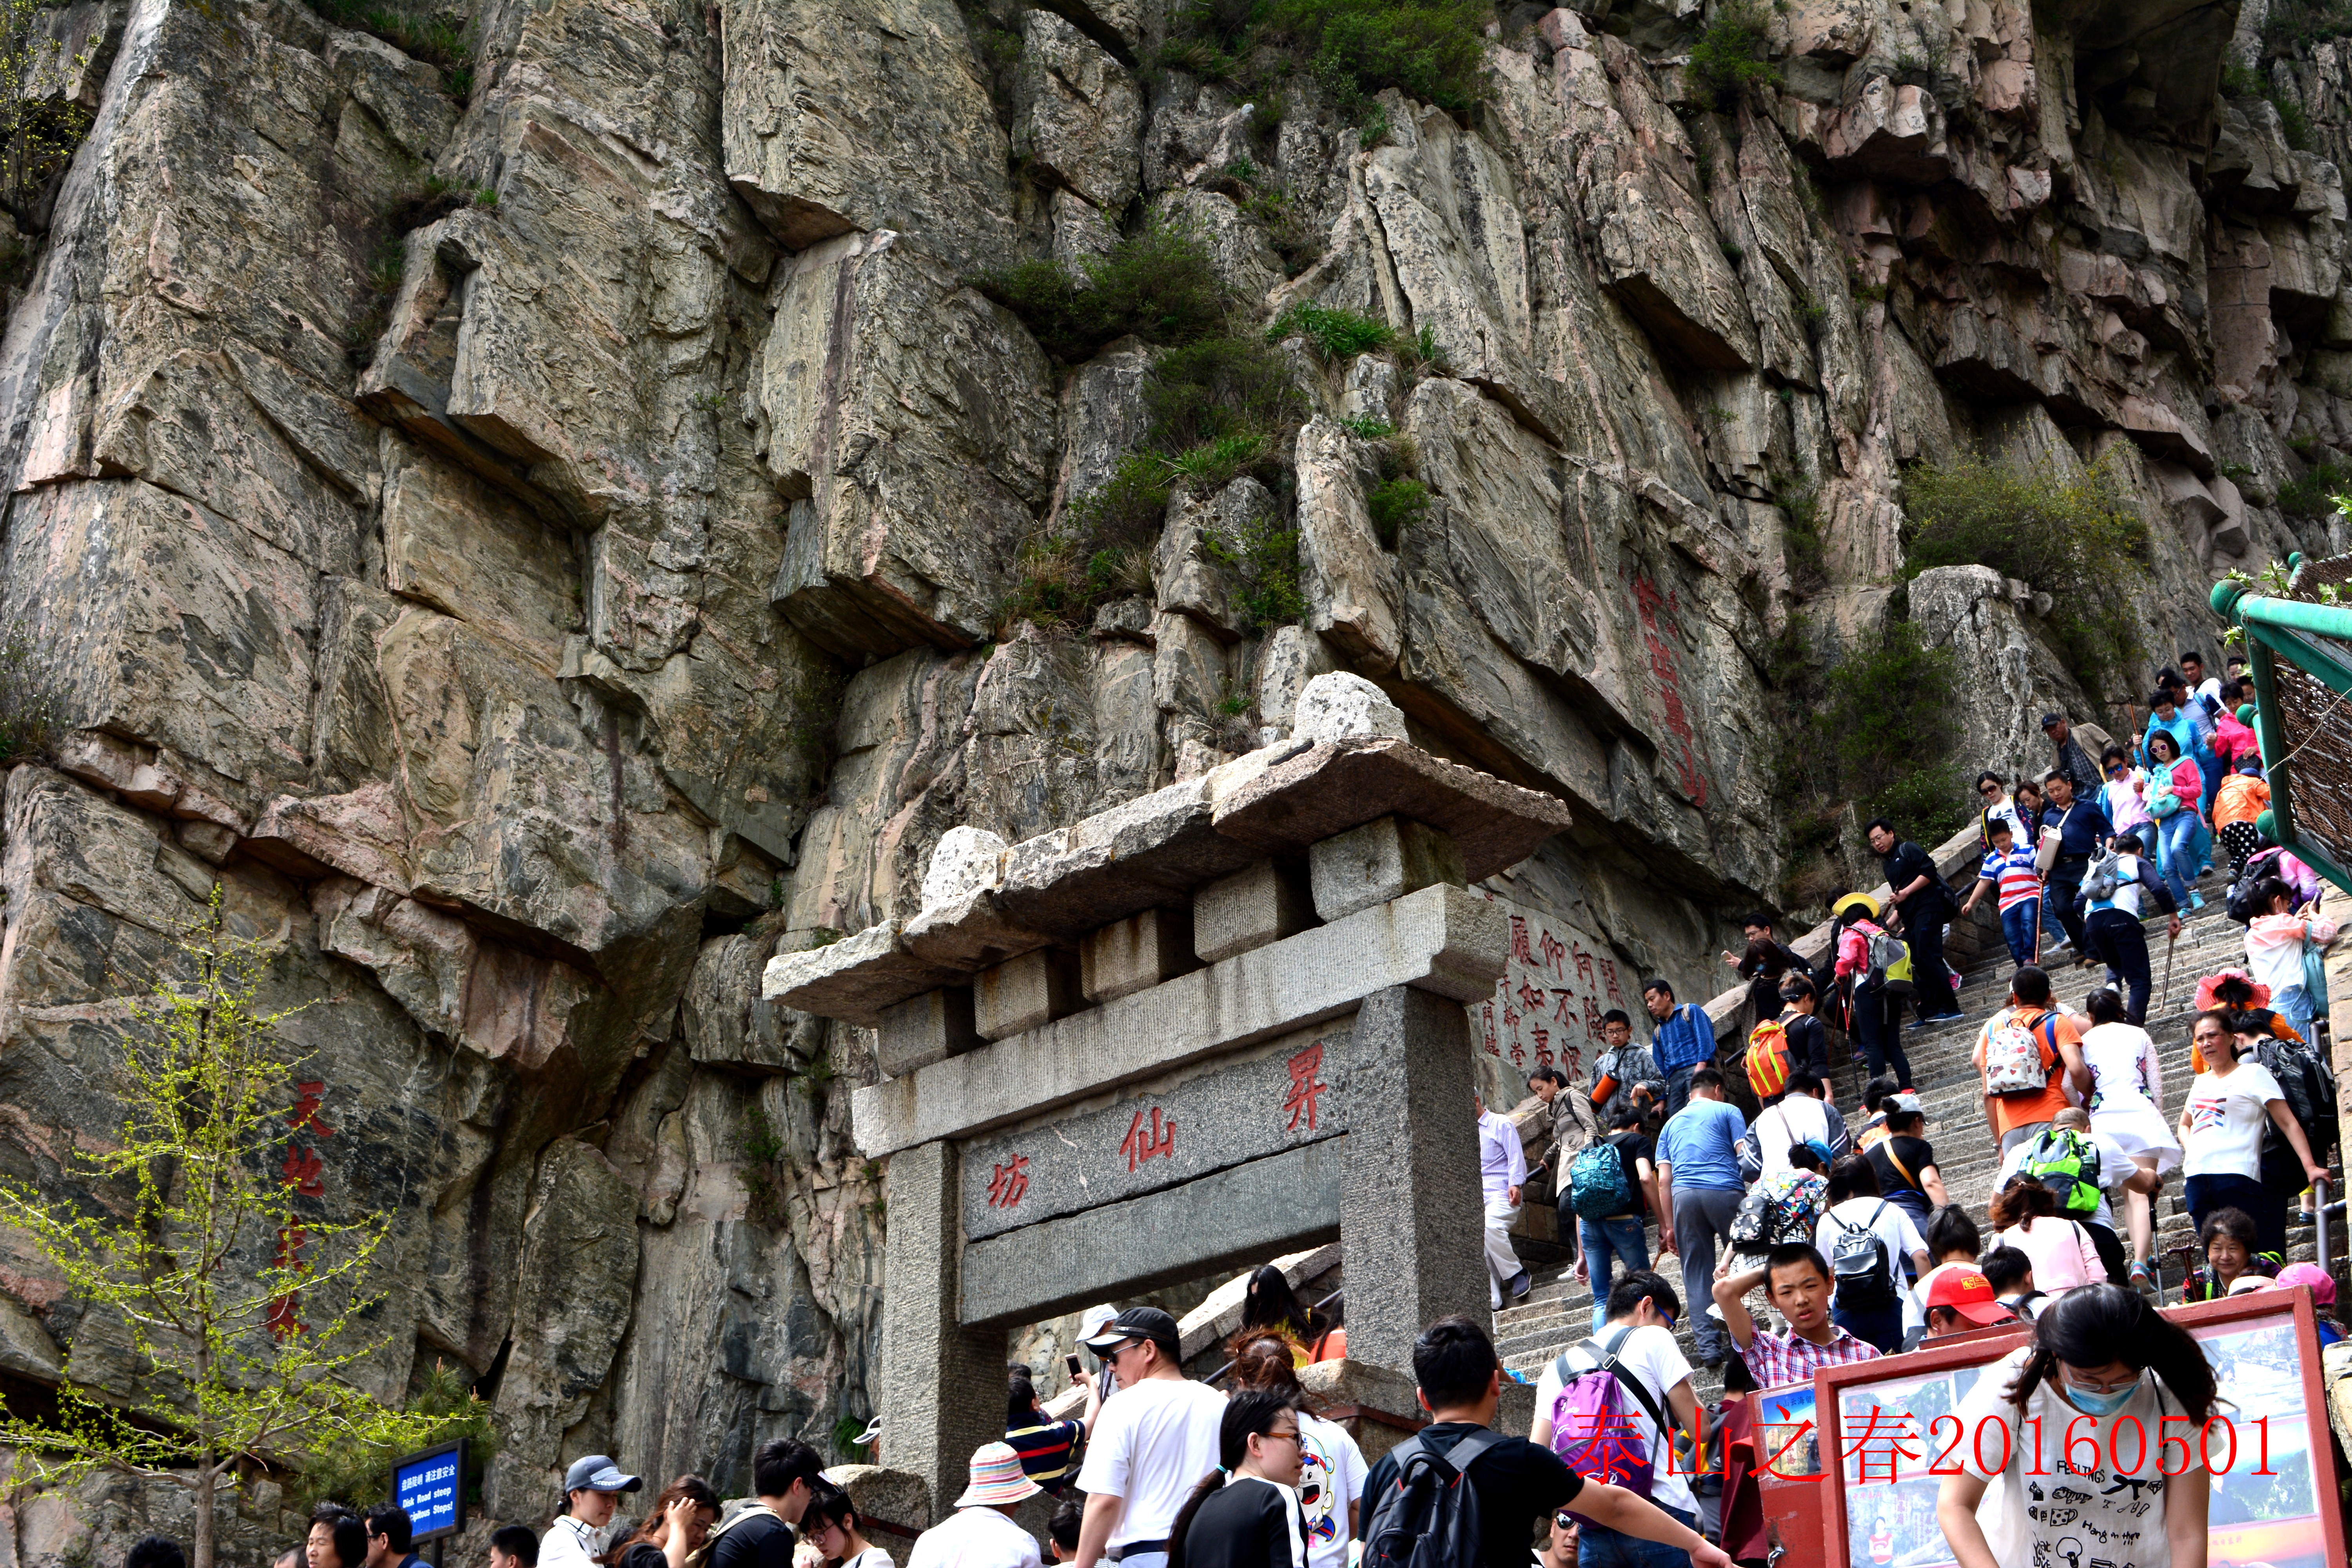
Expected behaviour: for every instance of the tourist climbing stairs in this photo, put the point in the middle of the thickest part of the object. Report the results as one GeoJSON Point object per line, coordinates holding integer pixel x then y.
{"type": "Point", "coordinates": [1558, 1310]}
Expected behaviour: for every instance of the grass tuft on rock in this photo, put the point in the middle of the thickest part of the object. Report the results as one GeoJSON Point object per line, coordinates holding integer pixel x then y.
{"type": "Point", "coordinates": [1433, 50]}
{"type": "Point", "coordinates": [1733, 52]}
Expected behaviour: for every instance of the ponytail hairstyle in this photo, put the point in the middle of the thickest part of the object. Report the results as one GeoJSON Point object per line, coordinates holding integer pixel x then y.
{"type": "Point", "coordinates": [1268, 1359]}
{"type": "Point", "coordinates": [2092, 1325]}
{"type": "Point", "coordinates": [1250, 1413]}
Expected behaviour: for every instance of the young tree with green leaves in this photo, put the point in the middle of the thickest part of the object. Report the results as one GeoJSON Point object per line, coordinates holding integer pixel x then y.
{"type": "Point", "coordinates": [241, 1305]}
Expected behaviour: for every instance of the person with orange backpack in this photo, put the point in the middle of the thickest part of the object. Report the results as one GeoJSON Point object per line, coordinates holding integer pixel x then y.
{"type": "Point", "coordinates": [1792, 1041]}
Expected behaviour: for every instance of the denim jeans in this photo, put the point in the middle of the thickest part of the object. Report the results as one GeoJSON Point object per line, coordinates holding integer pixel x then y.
{"type": "Point", "coordinates": [1597, 1547]}
{"type": "Point", "coordinates": [1880, 1326]}
{"type": "Point", "coordinates": [2230, 1191]}
{"type": "Point", "coordinates": [2020, 927]}
{"type": "Point", "coordinates": [2293, 1005]}
{"type": "Point", "coordinates": [1607, 1242]}
{"type": "Point", "coordinates": [2176, 853]}
{"type": "Point", "coordinates": [1678, 1088]}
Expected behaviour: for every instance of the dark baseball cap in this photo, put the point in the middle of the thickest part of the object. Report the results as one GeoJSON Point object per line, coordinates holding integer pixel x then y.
{"type": "Point", "coordinates": [1139, 1323]}
{"type": "Point", "coordinates": [2049, 719]}
{"type": "Point", "coordinates": [597, 1473]}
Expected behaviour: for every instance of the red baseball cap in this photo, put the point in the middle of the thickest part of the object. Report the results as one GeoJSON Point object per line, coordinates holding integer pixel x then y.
{"type": "Point", "coordinates": [1969, 1293]}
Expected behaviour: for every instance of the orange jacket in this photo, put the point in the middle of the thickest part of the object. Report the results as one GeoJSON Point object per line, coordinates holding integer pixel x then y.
{"type": "Point", "coordinates": [2242, 798]}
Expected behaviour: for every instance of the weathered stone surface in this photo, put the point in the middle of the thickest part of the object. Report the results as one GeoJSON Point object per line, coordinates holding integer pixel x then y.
{"type": "Point", "coordinates": [1254, 906]}
{"type": "Point", "coordinates": [1025, 994]}
{"type": "Point", "coordinates": [925, 1029]}
{"type": "Point", "coordinates": [876, 116]}
{"type": "Point", "coordinates": [917, 422]}
{"type": "Point", "coordinates": [1136, 953]}
{"type": "Point", "coordinates": [1439, 939]}
{"type": "Point", "coordinates": [1250, 1211]}
{"type": "Point", "coordinates": [1160, 1134]}
{"type": "Point", "coordinates": [1342, 706]}
{"type": "Point", "coordinates": [1333, 788]}
{"type": "Point", "coordinates": [1081, 114]}
{"type": "Point", "coordinates": [1383, 859]}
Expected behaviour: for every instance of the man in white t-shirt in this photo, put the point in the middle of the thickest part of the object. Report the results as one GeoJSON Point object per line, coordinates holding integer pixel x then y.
{"type": "Point", "coordinates": [1804, 1113]}
{"type": "Point", "coordinates": [1855, 1205]}
{"type": "Point", "coordinates": [1639, 1333]}
{"type": "Point", "coordinates": [1154, 1440]}
{"type": "Point", "coordinates": [2118, 1174]}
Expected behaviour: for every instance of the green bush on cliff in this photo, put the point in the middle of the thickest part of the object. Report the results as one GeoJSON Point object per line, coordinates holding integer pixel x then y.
{"type": "Point", "coordinates": [1734, 50]}
{"type": "Point", "coordinates": [2075, 536]}
{"type": "Point", "coordinates": [28, 713]}
{"type": "Point", "coordinates": [1157, 285]}
{"type": "Point", "coordinates": [1433, 50]}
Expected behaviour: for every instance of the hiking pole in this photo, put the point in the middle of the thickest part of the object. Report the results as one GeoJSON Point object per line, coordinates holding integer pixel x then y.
{"type": "Point", "coordinates": [2171, 952]}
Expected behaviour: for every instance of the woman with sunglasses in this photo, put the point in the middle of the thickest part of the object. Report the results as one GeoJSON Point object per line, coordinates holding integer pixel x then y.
{"type": "Point", "coordinates": [1330, 1484]}
{"type": "Point", "coordinates": [1244, 1514]}
{"type": "Point", "coordinates": [2124, 797]}
{"type": "Point", "coordinates": [2102, 1358]}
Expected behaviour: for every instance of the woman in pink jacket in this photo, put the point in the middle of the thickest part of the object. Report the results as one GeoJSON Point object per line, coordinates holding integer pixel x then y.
{"type": "Point", "coordinates": [2275, 945]}
{"type": "Point", "coordinates": [2175, 786]}
{"type": "Point", "coordinates": [2063, 1254]}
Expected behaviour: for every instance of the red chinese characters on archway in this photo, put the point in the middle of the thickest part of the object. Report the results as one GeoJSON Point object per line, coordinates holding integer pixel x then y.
{"type": "Point", "coordinates": [304, 1173]}
{"type": "Point", "coordinates": [1152, 1140]}
{"type": "Point", "coordinates": [1008, 1183]}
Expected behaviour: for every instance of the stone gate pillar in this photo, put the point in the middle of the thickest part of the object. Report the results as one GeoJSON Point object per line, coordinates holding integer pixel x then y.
{"type": "Point", "coordinates": [942, 1383]}
{"type": "Point", "coordinates": [1410, 1227]}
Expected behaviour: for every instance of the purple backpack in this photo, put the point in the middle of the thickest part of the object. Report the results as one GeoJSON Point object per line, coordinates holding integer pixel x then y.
{"type": "Point", "coordinates": [1593, 1428]}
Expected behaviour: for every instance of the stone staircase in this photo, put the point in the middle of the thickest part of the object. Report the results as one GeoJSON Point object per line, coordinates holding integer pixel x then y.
{"type": "Point", "coordinates": [1557, 1312]}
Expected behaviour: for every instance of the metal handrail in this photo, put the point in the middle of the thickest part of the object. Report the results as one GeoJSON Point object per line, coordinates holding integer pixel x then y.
{"type": "Point", "coordinates": [2319, 1219]}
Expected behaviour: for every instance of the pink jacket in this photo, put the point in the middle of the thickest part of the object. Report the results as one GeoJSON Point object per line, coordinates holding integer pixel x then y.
{"type": "Point", "coordinates": [2233, 742]}
{"type": "Point", "coordinates": [2063, 1254]}
{"type": "Point", "coordinates": [2188, 784]}
{"type": "Point", "coordinates": [2275, 948]}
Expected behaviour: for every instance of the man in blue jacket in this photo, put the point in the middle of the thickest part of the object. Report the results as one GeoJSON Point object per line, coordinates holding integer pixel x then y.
{"type": "Point", "coordinates": [1683, 1038]}
{"type": "Point", "coordinates": [2084, 830]}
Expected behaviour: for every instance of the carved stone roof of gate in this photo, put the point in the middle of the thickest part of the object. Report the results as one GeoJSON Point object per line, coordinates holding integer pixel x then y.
{"type": "Point", "coordinates": [985, 901]}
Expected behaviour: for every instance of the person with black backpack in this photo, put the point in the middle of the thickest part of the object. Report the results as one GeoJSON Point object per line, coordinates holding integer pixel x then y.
{"type": "Point", "coordinates": [1867, 1240]}
{"type": "Point", "coordinates": [1416, 1517]}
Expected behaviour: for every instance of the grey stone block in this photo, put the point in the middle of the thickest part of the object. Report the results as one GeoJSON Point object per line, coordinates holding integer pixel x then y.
{"type": "Point", "coordinates": [1240, 1215]}
{"type": "Point", "coordinates": [1411, 1216]}
{"type": "Point", "coordinates": [925, 1029]}
{"type": "Point", "coordinates": [887, 1496]}
{"type": "Point", "coordinates": [942, 1383]}
{"type": "Point", "coordinates": [1250, 910]}
{"type": "Point", "coordinates": [1335, 786]}
{"type": "Point", "coordinates": [1161, 1132]}
{"type": "Point", "coordinates": [1136, 953]}
{"type": "Point", "coordinates": [854, 978]}
{"type": "Point", "coordinates": [1443, 939]}
{"type": "Point", "coordinates": [1024, 993]}
{"type": "Point", "coordinates": [1379, 862]}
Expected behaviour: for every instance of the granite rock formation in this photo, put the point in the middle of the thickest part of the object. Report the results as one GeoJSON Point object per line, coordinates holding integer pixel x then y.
{"type": "Point", "coordinates": [534, 536]}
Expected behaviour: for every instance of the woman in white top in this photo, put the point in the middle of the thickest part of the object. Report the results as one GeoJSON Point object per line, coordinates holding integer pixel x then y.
{"type": "Point", "coordinates": [2127, 1103]}
{"type": "Point", "coordinates": [2105, 1354]}
{"type": "Point", "coordinates": [2221, 1132]}
{"type": "Point", "coordinates": [834, 1528]}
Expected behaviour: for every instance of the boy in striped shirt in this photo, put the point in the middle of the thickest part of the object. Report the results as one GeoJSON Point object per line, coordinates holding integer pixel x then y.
{"type": "Point", "coordinates": [2009, 870]}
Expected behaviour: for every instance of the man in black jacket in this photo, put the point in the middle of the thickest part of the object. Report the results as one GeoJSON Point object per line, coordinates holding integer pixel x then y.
{"type": "Point", "coordinates": [1924, 904]}
{"type": "Point", "coordinates": [760, 1536]}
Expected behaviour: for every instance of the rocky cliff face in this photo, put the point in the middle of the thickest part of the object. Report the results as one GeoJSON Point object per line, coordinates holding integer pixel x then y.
{"type": "Point", "coordinates": [534, 535]}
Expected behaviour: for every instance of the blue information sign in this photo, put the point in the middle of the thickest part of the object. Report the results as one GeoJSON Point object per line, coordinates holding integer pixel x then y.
{"type": "Point", "coordinates": [430, 1487]}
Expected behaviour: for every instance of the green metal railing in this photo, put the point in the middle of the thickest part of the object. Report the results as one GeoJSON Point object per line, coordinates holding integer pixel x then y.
{"type": "Point", "coordinates": [2300, 653]}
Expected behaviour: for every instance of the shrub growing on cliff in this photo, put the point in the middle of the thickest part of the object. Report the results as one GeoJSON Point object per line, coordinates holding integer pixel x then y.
{"type": "Point", "coordinates": [1733, 51]}
{"type": "Point", "coordinates": [1887, 722]}
{"type": "Point", "coordinates": [1431, 49]}
{"type": "Point", "coordinates": [2076, 537]}
{"type": "Point", "coordinates": [39, 127]}
{"type": "Point", "coordinates": [28, 714]}
{"type": "Point", "coordinates": [2314, 494]}
{"type": "Point", "coordinates": [243, 1308]}
{"type": "Point", "coordinates": [1157, 285]}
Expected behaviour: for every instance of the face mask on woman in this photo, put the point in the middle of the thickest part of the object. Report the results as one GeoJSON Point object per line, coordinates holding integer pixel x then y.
{"type": "Point", "coordinates": [2108, 1404]}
